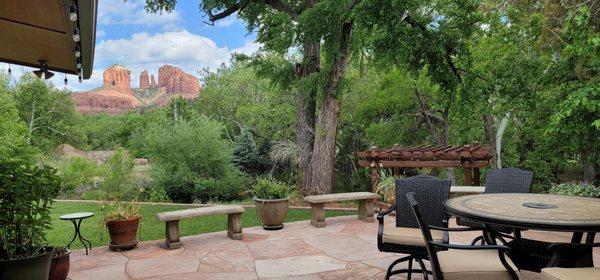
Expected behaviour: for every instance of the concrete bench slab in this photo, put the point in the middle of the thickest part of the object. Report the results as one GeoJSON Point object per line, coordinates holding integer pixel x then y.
{"type": "Point", "coordinates": [171, 218]}
{"type": "Point", "coordinates": [317, 205]}
{"type": "Point", "coordinates": [467, 189]}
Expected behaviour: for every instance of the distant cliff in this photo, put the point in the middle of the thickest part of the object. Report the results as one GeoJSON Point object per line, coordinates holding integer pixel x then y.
{"type": "Point", "coordinates": [116, 95]}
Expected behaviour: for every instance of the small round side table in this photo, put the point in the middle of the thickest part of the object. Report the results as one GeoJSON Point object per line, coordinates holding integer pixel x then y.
{"type": "Point", "coordinates": [76, 219]}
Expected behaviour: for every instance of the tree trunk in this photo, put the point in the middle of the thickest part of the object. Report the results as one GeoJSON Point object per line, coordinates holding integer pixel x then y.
{"type": "Point", "coordinates": [321, 163]}
{"type": "Point", "coordinates": [305, 111]}
{"type": "Point", "coordinates": [490, 135]}
{"type": "Point", "coordinates": [499, 134]}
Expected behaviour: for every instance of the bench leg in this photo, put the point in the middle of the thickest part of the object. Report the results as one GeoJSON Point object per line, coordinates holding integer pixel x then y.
{"type": "Point", "coordinates": [234, 226]}
{"type": "Point", "coordinates": [365, 210]}
{"type": "Point", "coordinates": [172, 235]}
{"type": "Point", "coordinates": [317, 214]}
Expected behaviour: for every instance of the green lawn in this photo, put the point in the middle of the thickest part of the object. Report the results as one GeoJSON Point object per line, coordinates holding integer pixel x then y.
{"type": "Point", "coordinates": [62, 231]}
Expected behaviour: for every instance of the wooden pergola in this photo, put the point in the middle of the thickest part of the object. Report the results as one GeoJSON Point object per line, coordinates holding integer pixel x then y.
{"type": "Point", "coordinates": [469, 157]}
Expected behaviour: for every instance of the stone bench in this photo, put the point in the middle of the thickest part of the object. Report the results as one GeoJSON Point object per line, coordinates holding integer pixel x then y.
{"type": "Point", "coordinates": [234, 221]}
{"type": "Point", "coordinates": [317, 205]}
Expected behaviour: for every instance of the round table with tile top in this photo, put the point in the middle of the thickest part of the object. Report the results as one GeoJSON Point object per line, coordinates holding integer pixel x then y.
{"type": "Point", "coordinates": [76, 219]}
{"type": "Point", "coordinates": [530, 211]}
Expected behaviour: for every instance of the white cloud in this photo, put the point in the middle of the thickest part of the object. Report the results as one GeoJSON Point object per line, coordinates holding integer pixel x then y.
{"type": "Point", "coordinates": [100, 33]}
{"type": "Point", "coordinates": [143, 51]}
{"type": "Point", "coordinates": [133, 13]}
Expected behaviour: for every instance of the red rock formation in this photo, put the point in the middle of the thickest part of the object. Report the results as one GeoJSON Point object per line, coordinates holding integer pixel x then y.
{"type": "Point", "coordinates": [118, 77]}
{"type": "Point", "coordinates": [144, 80]}
{"type": "Point", "coordinates": [116, 95]}
{"type": "Point", "coordinates": [178, 82]}
{"type": "Point", "coordinates": [107, 100]}
{"type": "Point", "coordinates": [153, 81]}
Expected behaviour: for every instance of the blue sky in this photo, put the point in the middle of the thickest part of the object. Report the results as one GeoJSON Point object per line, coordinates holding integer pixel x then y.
{"type": "Point", "coordinates": [129, 36]}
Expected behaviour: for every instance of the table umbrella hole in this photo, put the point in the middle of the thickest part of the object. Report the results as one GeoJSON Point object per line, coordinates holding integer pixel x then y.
{"type": "Point", "coordinates": [539, 205]}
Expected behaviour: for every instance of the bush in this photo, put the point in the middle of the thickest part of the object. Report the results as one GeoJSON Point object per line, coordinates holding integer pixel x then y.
{"type": "Point", "coordinates": [272, 189]}
{"type": "Point", "coordinates": [574, 189]}
{"type": "Point", "coordinates": [27, 192]}
{"type": "Point", "coordinates": [78, 174]}
{"type": "Point", "coordinates": [191, 160]}
{"type": "Point", "coordinates": [228, 188]}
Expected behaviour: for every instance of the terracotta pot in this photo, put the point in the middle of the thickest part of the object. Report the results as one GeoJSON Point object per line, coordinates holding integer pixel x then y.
{"type": "Point", "coordinates": [271, 212]}
{"type": "Point", "coordinates": [123, 233]}
{"type": "Point", "coordinates": [59, 267]}
{"type": "Point", "coordinates": [33, 268]}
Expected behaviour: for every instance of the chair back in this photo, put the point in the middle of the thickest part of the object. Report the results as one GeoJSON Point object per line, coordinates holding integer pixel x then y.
{"type": "Point", "coordinates": [508, 180]}
{"type": "Point", "coordinates": [430, 191]}
{"type": "Point", "coordinates": [433, 259]}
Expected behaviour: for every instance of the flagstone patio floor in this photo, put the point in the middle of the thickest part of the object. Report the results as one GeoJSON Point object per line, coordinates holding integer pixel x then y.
{"type": "Point", "coordinates": [345, 249]}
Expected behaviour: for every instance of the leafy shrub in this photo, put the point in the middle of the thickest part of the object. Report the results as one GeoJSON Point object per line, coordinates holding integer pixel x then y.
{"type": "Point", "coordinates": [574, 189]}
{"type": "Point", "coordinates": [76, 173]}
{"type": "Point", "coordinates": [158, 194]}
{"type": "Point", "coordinates": [27, 192]}
{"type": "Point", "coordinates": [267, 188]}
{"type": "Point", "coordinates": [228, 188]}
{"type": "Point", "coordinates": [118, 192]}
{"type": "Point", "coordinates": [188, 156]}
{"type": "Point", "coordinates": [386, 187]}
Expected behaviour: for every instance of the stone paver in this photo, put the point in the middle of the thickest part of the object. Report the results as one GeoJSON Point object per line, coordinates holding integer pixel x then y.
{"type": "Point", "coordinates": [345, 249]}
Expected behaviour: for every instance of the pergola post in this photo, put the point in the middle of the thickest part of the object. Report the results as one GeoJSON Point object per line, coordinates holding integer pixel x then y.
{"type": "Point", "coordinates": [468, 176]}
{"type": "Point", "coordinates": [476, 176]}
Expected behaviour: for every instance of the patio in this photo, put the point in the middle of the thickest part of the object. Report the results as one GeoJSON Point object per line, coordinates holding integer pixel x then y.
{"type": "Point", "coordinates": [345, 249]}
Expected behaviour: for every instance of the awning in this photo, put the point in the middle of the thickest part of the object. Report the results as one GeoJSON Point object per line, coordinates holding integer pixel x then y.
{"type": "Point", "coordinates": [42, 30]}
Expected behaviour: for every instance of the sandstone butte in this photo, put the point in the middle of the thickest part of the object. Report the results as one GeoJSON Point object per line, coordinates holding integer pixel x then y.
{"type": "Point", "coordinates": [116, 95]}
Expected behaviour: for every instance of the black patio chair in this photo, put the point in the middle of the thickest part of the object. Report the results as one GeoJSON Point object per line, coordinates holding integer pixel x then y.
{"type": "Point", "coordinates": [462, 261]}
{"type": "Point", "coordinates": [571, 262]}
{"type": "Point", "coordinates": [505, 180]}
{"type": "Point", "coordinates": [406, 237]}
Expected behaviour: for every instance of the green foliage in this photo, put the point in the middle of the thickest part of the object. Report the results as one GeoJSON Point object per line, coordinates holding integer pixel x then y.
{"type": "Point", "coordinates": [386, 187]}
{"type": "Point", "coordinates": [269, 188]}
{"type": "Point", "coordinates": [27, 191]}
{"type": "Point", "coordinates": [118, 192]}
{"type": "Point", "coordinates": [157, 194]}
{"type": "Point", "coordinates": [187, 154]}
{"type": "Point", "coordinates": [246, 156]}
{"type": "Point", "coordinates": [576, 189]}
{"type": "Point", "coordinates": [77, 172]}
{"type": "Point", "coordinates": [13, 132]}
{"type": "Point", "coordinates": [49, 113]}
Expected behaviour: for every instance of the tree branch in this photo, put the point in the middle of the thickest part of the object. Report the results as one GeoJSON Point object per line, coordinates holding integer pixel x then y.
{"type": "Point", "coordinates": [282, 7]}
{"type": "Point", "coordinates": [227, 12]}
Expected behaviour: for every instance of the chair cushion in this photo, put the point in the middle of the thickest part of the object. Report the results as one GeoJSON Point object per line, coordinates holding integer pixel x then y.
{"type": "Point", "coordinates": [408, 236]}
{"type": "Point", "coordinates": [560, 273]}
{"type": "Point", "coordinates": [473, 265]}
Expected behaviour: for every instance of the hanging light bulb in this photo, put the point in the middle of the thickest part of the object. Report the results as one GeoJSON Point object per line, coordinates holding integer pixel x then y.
{"type": "Point", "coordinates": [80, 77]}
{"type": "Point", "coordinates": [9, 70]}
{"type": "Point", "coordinates": [76, 36]}
{"type": "Point", "coordinates": [73, 12]}
{"type": "Point", "coordinates": [66, 81]}
{"type": "Point", "coordinates": [77, 51]}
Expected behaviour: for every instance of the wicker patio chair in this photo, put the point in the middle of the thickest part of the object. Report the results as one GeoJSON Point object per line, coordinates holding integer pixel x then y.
{"type": "Point", "coordinates": [465, 262]}
{"type": "Point", "coordinates": [505, 180]}
{"type": "Point", "coordinates": [571, 262]}
{"type": "Point", "coordinates": [406, 236]}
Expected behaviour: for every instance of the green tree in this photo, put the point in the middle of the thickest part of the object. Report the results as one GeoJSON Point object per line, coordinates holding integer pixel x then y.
{"type": "Point", "coordinates": [49, 113]}
{"type": "Point", "coordinates": [322, 32]}
{"type": "Point", "coordinates": [186, 154]}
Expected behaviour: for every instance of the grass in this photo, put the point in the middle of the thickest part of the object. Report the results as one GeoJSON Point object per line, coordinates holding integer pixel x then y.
{"type": "Point", "coordinates": [62, 231]}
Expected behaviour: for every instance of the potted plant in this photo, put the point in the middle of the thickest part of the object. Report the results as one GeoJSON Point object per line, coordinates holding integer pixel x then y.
{"type": "Point", "coordinates": [272, 201]}
{"type": "Point", "coordinates": [119, 204]}
{"type": "Point", "coordinates": [27, 192]}
{"type": "Point", "coordinates": [60, 264]}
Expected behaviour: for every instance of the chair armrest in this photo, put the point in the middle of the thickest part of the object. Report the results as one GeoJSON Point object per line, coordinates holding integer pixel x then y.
{"type": "Point", "coordinates": [455, 229]}
{"type": "Point", "coordinates": [558, 246]}
{"type": "Point", "coordinates": [470, 247]}
{"type": "Point", "coordinates": [390, 210]}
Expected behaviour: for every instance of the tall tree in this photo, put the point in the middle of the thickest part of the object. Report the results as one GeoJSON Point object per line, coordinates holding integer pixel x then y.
{"type": "Point", "coordinates": [322, 32]}
{"type": "Point", "coordinates": [49, 113]}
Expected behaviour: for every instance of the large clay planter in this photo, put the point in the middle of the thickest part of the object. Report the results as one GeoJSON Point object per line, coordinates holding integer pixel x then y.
{"type": "Point", "coordinates": [59, 267]}
{"type": "Point", "coordinates": [271, 212]}
{"type": "Point", "coordinates": [123, 233]}
{"type": "Point", "coordinates": [34, 268]}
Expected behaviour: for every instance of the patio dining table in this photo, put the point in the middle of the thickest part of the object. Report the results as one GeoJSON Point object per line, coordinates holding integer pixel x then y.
{"type": "Point", "coordinates": [543, 212]}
